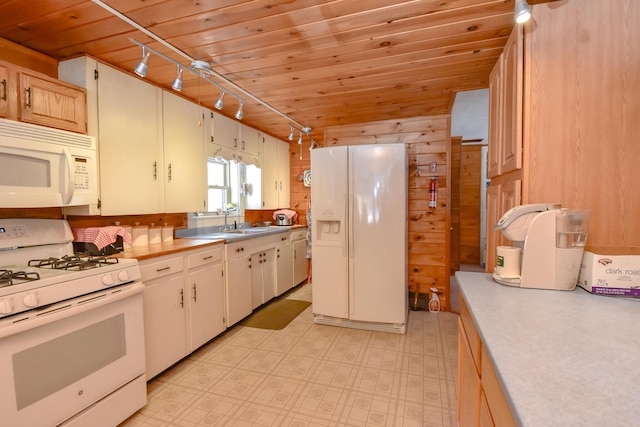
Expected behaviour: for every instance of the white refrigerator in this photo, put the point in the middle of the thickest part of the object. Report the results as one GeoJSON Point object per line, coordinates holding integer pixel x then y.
{"type": "Point", "coordinates": [359, 236]}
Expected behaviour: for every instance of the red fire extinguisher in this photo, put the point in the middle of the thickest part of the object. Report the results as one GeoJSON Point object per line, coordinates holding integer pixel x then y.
{"type": "Point", "coordinates": [433, 192]}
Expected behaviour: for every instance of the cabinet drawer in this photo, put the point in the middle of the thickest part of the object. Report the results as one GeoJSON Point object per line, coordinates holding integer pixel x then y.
{"type": "Point", "coordinates": [299, 234]}
{"type": "Point", "coordinates": [205, 257]}
{"type": "Point", "coordinates": [472, 334]}
{"type": "Point", "coordinates": [237, 249]}
{"type": "Point", "coordinates": [496, 400]}
{"type": "Point", "coordinates": [161, 267]}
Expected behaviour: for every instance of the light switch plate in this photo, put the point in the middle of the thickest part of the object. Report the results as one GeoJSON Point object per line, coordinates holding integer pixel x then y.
{"type": "Point", "coordinates": [433, 166]}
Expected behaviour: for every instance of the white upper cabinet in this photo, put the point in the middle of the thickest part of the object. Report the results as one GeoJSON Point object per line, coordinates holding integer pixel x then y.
{"type": "Point", "coordinates": [185, 162]}
{"type": "Point", "coordinates": [226, 132]}
{"type": "Point", "coordinates": [250, 141]}
{"type": "Point", "coordinates": [275, 173]}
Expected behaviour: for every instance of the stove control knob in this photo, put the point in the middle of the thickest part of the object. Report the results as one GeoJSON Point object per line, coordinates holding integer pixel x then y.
{"type": "Point", "coordinates": [30, 300]}
{"type": "Point", "coordinates": [123, 276]}
{"type": "Point", "coordinates": [6, 306]}
{"type": "Point", "coordinates": [107, 280]}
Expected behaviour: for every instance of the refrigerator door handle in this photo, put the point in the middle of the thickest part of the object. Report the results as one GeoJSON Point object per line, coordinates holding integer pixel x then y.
{"type": "Point", "coordinates": [345, 236]}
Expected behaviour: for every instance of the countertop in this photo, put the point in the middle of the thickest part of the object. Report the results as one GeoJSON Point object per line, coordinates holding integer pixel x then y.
{"type": "Point", "coordinates": [188, 243]}
{"type": "Point", "coordinates": [564, 358]}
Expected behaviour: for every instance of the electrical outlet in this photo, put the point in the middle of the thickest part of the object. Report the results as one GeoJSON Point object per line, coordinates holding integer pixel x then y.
{"type": "Point", "coordinates": [433, 166]}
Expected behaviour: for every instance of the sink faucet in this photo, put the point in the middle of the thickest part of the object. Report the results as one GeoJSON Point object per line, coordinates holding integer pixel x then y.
{"type": "Point", "coordinates": [226, 215]}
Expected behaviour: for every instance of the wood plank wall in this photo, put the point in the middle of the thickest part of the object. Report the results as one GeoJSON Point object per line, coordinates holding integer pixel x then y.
{"type": "Point", "coordinates": [427, 140]}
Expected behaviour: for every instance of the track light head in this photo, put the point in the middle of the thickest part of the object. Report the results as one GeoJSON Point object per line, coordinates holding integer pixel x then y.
{"type": "Point", "coordinates": [143, 66]}
{"type": "Point", "coordinates": [300, 139]}
{"type": "Point", "coordinates": [291, 136]}
{"type": "Point", "coordinates": [522, 11]}
{"type": "Point", "coordinates": [177, 82]}
{"type": "Point", "coordinates": [220, 102]}
{"type": "Point", "coordinates": [239, 113]}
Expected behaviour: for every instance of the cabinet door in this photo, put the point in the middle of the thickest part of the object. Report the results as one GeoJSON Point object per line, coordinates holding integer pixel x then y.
{"type": "Point", "coordinates": [284, 267]}
{"type": "Point", "coordinates": [130, 140]}
{"type": "Point", "coordinates": [206, 304]}
{"type": "Point", "coordinates": [5, 88]}
{"type": "Point", "coordinates": [269, 275]}
{"type": "Point", "coordinates": [238, 289]}
{"type": "Point", "coordinates": [500, 198]}
{"type": "Point", "coordinates": [284, 174]}
{"type": "Point", "coordinates": [513, 69]}
{"type": "Point", "coordinates": [469, 387]}
{"type": "Point", "coordinates": [299, 262]}
{"type": "Point", "coordinates": [270, 173]}
{"type": "Point", "coordinates": [184, 155]}
{"type": "Point", "coordinates": [52, 103]}
{"type": "Point", "coordinates": [250, 140]}
{"type": "Point", "coordinates": [496, 119]}
{"type": "Point", "coordinates": [257, 297]}
{"type": "Point", "coordinates": [164, 323]}
{"type": "Point", "coordinates": [225, 131]}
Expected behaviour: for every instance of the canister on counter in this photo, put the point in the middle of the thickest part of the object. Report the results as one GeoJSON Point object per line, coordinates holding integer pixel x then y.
{"type": "Point", "coordinates": [167, 233]}
{"type": "Point", "coordinates": [155, 234]}
{"type": "Point", "coordinates": [140, 235]}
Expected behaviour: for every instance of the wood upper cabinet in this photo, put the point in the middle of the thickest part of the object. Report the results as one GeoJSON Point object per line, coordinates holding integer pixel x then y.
{"type": "Point", "coordinates": [505, 107]}
{"type": "Point", "coordinates": [30, 97]}
{"type": "Point", "coordinates": [5, 84]}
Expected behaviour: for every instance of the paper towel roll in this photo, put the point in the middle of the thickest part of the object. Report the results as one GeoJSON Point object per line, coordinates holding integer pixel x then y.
{"type": "Point", "coordinates": [167, 233]}
{"type": "Point", "coordinates": [155, 235]}
{"type": "Point", "coordinates": [140, 235]}
{"type": "Point", "coordinates": [508, 261]}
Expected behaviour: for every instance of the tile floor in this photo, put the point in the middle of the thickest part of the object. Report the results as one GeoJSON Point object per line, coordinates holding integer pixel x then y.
{"type": "Point", "coordinates": [313, 375]}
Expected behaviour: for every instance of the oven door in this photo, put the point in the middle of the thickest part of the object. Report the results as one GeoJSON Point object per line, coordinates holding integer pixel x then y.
{"type": "Point", "coordinates": [57, 361]}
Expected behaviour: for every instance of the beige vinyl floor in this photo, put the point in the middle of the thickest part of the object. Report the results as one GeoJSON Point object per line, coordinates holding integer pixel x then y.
{"type": "Point", "coordinates": [313, 375]}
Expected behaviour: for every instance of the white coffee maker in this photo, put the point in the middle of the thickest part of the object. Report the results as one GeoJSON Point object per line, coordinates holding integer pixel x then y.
{"type": "Point", "coordinates": [551, 242]}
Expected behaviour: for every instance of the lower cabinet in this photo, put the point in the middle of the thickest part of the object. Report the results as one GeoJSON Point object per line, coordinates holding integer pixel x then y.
{"type": "Point", "coordinates": [238, 281]}
{"type": "Point", "coordinates": [183, 304]}
{"type": "Point", "coordinates": [284, 265]}
{"type": "Point", "coordinates": [299, 254]}
{"type": "Point", "coordinates": [263, 277]}
{"type": "Point", "coordinates": [481, 401]}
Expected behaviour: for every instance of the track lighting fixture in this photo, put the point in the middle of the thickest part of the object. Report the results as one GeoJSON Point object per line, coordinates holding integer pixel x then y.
{"type": "Point", "coordinates": [300, 139]}
{"type": "Point", "coordinates": [177, 83]}
{"type": "Point", "coordinates": [239, 113]}
{"type": "Point", "coordinates": [220, 102]}
{"type": "Point", "coordinates": [313, 144]}
{"type": "Point", "coordinates": [200, 68]}
{"type": "Point", "coordinates": [143, 66]}
{"type": "Point", "coordinates": [522, 11]}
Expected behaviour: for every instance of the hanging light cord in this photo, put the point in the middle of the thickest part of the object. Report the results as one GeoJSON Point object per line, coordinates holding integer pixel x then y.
{"type": "Point", "coordinates": [304, 129]}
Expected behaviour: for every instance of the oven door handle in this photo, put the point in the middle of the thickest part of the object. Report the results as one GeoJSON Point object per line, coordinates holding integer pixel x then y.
{"type": "Point", "coordinates": [34, 318]}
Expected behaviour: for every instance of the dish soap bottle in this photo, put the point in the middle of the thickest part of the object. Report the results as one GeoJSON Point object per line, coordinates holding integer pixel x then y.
{"type": "Point", "coordinates": [434, 302]}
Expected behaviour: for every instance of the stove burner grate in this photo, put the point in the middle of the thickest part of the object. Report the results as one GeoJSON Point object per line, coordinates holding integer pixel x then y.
{"type": "Point", "coordinates": [10, 277]}
{"type": "Point", "coordinates": [73, 262]}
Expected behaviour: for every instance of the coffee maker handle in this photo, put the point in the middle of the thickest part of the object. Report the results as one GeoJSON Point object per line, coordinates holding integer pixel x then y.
{"type": "Point", "coordinates": [517, 211]}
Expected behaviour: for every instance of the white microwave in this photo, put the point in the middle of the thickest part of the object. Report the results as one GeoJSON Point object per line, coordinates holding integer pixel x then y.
{"type": "Point", "coordinates": [43, 167]}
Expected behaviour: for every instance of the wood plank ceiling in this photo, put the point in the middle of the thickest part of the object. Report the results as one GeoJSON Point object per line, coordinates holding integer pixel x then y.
{"type": "Point", "coordinates": [321, 62]}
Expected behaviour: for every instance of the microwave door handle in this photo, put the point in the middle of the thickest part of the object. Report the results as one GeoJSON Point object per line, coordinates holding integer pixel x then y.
{"type": "Point", "coordinates": [68, 194]}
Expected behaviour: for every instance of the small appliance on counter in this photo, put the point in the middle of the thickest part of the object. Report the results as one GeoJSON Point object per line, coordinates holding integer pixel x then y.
{"type": "Point", "coordinates": [548, 244]}
{"type": "Point", "coordinates": [285, 217]}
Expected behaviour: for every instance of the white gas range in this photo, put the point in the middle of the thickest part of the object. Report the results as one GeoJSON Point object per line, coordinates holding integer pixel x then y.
{"type": "Point", "coordinates": [71, 330]}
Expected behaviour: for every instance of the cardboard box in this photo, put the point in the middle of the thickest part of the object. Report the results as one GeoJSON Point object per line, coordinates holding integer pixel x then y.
{"type": "Point", "coordinates": [610, 274]}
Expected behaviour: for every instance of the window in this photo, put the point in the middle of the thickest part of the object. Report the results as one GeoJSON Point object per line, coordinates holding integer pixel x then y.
{"type": "Point", "coordinates": [223, 184]}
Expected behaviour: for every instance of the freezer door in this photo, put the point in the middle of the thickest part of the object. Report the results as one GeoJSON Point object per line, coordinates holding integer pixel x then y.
{"type": "Point", "coordinates": [329, 232]}
{"type": "Point", "coordinates": [378, 235]}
